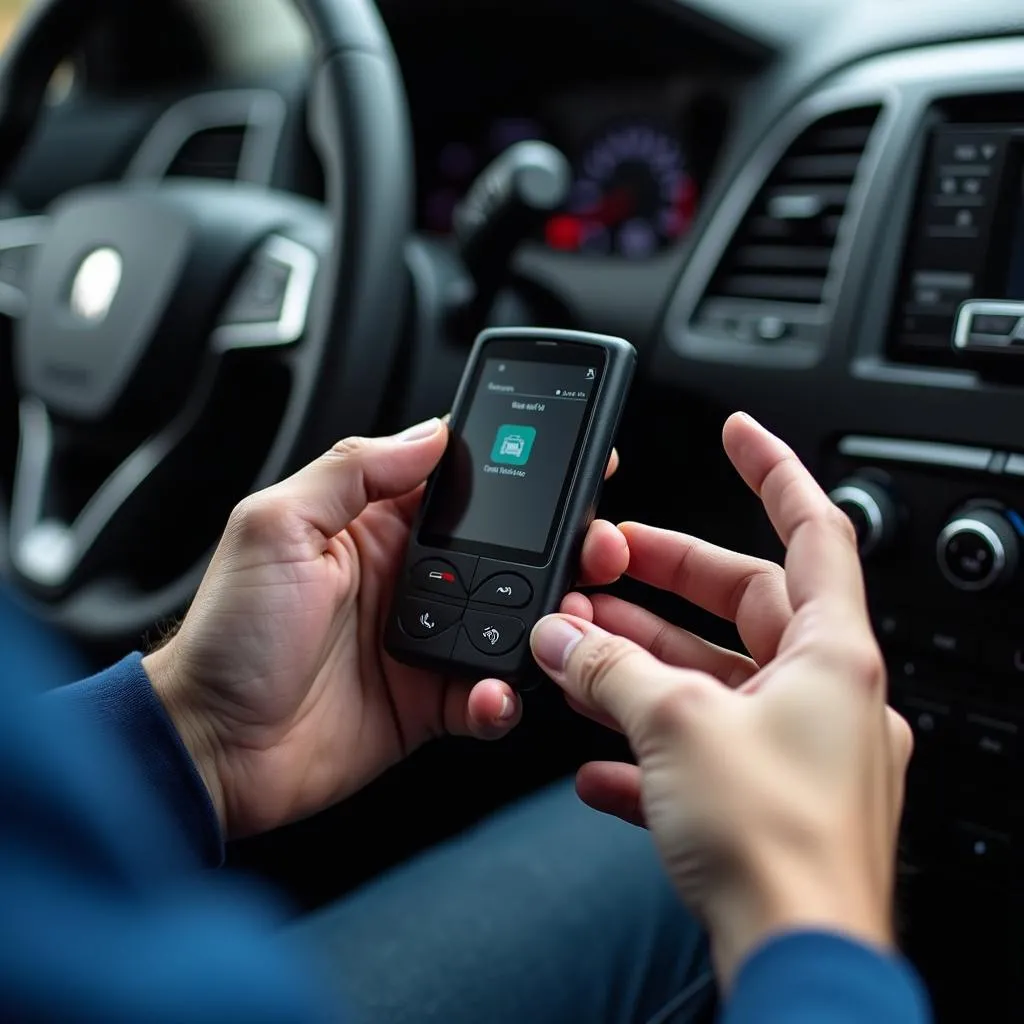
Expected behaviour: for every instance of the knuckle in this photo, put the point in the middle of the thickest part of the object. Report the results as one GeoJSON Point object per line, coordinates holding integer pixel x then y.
{"type": "Point", "coordinates": [674, 710]}
{"type": "Point", "coordinates": [348, 448]}
{"type": "Point", "coordinates": [598, 659]}
{"type": "Point", "coordinates": [257, 515]}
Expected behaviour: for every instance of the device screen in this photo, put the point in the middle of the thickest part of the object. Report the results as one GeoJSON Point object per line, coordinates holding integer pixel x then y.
{"type": "Point", "coordinates": [512, 458]}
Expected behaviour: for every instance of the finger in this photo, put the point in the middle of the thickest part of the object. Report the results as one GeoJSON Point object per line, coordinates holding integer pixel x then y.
{"type": "Point", "coordinates": [668, 643]}
{"type": "Point", "coordinates": [613, 464]}
{"type": "Point", "coordinates": [577, 605]}
{"type": "Point", "coordinates": [616, 677]}
{"type": "Point", "coordinates": [487, 710]}
{"type": "Point", "coordinates": [605, 555]}
{"type": "Point", "coordinates": [333, 490]}
{"type": "Point", "coordinates": [822, 563]}
{"type": "Point", "coordinates": [612, 788]}
{"type": "Point", "coordinates": [748, 591]}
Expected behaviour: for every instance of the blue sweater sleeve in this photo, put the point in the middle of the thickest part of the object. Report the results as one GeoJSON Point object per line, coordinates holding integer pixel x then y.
{"type": "Point", "coordinates": [107, 914]}
{"type": "Point", "coordinates": [820, 978]}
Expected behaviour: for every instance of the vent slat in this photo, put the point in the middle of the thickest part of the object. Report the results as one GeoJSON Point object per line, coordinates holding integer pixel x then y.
{"type": "Point", "coordinates": [776, 288]}
{"type": "Point", "coordinates": [783, 257]}
{"type": "Point", "coordinates": [210, 153]}
{"type": "Point", "coordinates": [782, 250]}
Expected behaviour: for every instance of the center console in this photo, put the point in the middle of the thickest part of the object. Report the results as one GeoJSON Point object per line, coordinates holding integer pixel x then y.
{"type": "Point", "coordinates": [966, 239]}
{"type": "Point", "coordinates": [907, 401]}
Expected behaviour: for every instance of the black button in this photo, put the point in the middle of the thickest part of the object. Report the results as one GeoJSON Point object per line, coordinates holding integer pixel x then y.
{"type": "Point", "coordinates": [991, 738]}
{"type": "Point", "coordinates": [506, 589]}
{"type": "Point", "coordinates": [422, 619]}
{"type": "Point", "coordinates": [439, 577]}
{"type": "Point", "coordinates": [260, 297]}
{"type": "Point", "coordinates": [969, 556]}
{"type": "Point", "coordinates": [981, 848]}
{"type": "Point", "coordinates": [945, 640]}
{"type": "Point", "coordinates": [929, 720]}
{"type": "Point", "coordinates": [891, 628]}
{"type": "Point", "coordinates": [493, 634]}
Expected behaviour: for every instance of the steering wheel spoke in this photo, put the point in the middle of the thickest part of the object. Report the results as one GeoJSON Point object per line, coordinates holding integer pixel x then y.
{"type": "Point", "coordinates": [50, 539]}
{"type": "Point", "coordinates": [20, 238]}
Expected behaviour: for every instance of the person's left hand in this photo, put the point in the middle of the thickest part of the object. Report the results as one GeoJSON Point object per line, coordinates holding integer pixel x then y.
{"type": "Point", "coordinates": [277, 680]}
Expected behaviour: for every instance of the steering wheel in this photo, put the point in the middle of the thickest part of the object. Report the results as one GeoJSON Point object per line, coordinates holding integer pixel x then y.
{"type": "Point", "coordinates": [177, 343]}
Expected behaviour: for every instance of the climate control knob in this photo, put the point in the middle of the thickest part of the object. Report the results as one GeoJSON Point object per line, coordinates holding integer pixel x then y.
{"type": "Point", "coordinates": [871, 510]}
{"type": "Point", "coordinates": [978, 549]}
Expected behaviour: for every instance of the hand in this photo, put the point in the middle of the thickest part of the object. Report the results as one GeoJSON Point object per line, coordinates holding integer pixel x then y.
{"type": "Point", "coordinates": [277, 680]}
{"type": "Point", "coordinates": [773, 785]}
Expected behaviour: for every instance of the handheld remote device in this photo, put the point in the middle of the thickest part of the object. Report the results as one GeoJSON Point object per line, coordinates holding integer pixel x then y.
{"type": "Point", "coordinates": [496, 544]}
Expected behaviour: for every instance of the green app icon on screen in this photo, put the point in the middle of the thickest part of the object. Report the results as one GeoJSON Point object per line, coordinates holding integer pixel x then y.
{"type": "Point", "coordinates": [512, 445]}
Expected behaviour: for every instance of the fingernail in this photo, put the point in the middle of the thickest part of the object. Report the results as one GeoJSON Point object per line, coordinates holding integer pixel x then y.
{"type": "Point", "coordinates": [553, 641]}
{"type": "Point", "coordinates": [508, 709]}
{"type": "Point", "coordinates": [421, 431]}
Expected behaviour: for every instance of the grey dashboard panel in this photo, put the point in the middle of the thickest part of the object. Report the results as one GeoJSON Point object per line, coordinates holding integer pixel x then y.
{"type": "Point", "coordinates": [853, 387]}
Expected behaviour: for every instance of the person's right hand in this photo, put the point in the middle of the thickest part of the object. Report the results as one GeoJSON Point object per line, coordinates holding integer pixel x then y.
{"type": "Point", "coordinates": [773, 785]}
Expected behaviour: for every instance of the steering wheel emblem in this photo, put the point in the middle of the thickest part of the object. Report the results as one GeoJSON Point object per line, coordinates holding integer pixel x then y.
{"type": "Point", "coordinates": [96, 284]}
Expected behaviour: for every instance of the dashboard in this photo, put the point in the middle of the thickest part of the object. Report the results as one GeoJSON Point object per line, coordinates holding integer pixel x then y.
{"type": "Point", "coordinates": [641, 152]}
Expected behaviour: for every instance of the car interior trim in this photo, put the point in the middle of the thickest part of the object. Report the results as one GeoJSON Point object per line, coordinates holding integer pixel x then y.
{"type": "Point", "coordinates": [261, 112]}
{"type": "Point", "coordinates": [288, 328]}
{"type": "Point", "coordinates": [925, 453]}
{"type": "Point", "coordinates": [734, 206]}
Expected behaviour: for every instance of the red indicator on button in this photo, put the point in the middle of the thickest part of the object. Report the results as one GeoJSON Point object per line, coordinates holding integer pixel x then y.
{"type": "Point", "coordinates": [445, 577]}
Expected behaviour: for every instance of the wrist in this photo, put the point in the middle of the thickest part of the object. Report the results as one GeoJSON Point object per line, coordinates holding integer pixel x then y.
{"type": "Point", "coordinates": [177, 695]}
{"type": "Point", "coordinates": [784, 896]}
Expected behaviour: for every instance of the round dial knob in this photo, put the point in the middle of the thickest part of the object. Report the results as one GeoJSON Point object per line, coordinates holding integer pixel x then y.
{"type": "Point", "coordinates": [871, 510]}
{"type": "Point", "coordinates": [978, 549]}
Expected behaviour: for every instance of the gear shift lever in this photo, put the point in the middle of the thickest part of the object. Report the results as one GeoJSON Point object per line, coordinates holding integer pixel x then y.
{"type": "Point", "coordinates": [504, 205]}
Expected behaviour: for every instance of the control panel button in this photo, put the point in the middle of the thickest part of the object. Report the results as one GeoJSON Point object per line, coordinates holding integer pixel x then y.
{"type": "Point", "coordinates": [506, 589]}
{"type": "Point", "coordinates": [422, 619]}
{"type": "Point", "coordinates": [980, 848]}
{"type": "Point", "coordinates": [439, 577]}
{"type": "Point", "coordinates": [493, 634]}
{"type": "Point", "coordinates": [991, 738]}
{"type": "Point", "coordinates": [928, 720]}
{"type": "Point", "coordinates": [891, 628]}
{"type": "Point", "coordinates": [946, 640]}
{"type": "Point", "coordinates": [978, 549]}
{"type": "Point", "coordinates": [870, 509]}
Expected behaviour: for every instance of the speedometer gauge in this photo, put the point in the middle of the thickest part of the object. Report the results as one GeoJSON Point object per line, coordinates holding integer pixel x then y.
{"type": "Point", "coordinates": [633, 195]}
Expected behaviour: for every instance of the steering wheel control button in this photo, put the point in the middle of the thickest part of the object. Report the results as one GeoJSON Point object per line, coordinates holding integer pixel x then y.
{"type": "Point", "coordinates": [870, 509]}
{"type": "Point", "coordinates": [506, 589]}
{"type": "Point", "coordinates": [978, 550]}
{"type": "Point", "coordinates": [984, 326]}
{"type": "Point", "coordinates": [260, 297]}
{"type": "Point", "coordinates": [493, 634]}
{"type": "Point", "coordinates": [438, 577]}
{"type": "Point", "coordinates": [423, 620]}
{"type": "Point", "coordinates": [270, 305]}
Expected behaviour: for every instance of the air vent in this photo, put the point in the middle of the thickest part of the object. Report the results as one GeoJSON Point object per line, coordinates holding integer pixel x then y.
{"type": "Point", "coordinates": [210, 153]}
{"type": "Point", "coordinates": [782, 251]}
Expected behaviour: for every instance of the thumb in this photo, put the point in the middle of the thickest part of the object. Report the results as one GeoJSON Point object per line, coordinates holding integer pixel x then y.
{"type": "Point", "coordinates": [331, 491]}
{"type": "Point", "coordinates": [618, 678]}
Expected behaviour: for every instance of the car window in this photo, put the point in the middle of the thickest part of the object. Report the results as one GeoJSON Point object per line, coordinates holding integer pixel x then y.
{"type": "Point", "coordinates": [10, 12]}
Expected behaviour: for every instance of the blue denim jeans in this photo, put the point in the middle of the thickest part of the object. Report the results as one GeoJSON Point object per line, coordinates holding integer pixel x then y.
{"type": "Point", "coordinates": [548, 912]}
